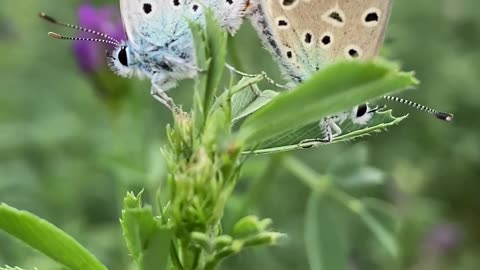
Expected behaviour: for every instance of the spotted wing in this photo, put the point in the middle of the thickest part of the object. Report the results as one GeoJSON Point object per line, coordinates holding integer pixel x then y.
{"type": "Point", "coordinates": [160, 21]}
{"type": "Point", "coordinates": [304, 35]}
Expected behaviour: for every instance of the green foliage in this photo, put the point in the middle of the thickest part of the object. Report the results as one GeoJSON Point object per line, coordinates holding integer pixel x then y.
{"type": "Point", "coordinates": [46, 238]}
{"type": "Point", "coordinates": [334, 89]}
{"type": "Point", "coordinates": [323, 236]}
{"type": "Point", "coordinates": [13, 268]}
{"type": "Point", "coordinates": [323, 228]}
{"type": "Point", "coordinates": [66, 156]}
{"type": "Point", "coordinates": [147, 240]}
{"type": "Point", "coordinates": [210, 55]}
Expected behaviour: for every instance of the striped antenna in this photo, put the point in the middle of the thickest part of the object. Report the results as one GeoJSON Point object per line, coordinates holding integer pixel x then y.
{"type": "Point", "coordinates": [58, 36]}
{"type": "Point", "coordinates": [76, 27]}
{"type": "Point", "coordinates": [440, 115]}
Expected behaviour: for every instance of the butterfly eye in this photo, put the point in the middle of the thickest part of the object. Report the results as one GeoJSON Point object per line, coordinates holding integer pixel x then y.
{"type": "Point", "coordinates": [371, 17]}
{"type": "Point", "coordinates": [122, 56]}
{"type": "Point", "coordinates": [229, 2]}
{"type": "Point", "coordinates": [362, 113]}
{"type": "Point", "coordinates": [361, 110]}
{"type": "Point", "coordinates": [147, 8]}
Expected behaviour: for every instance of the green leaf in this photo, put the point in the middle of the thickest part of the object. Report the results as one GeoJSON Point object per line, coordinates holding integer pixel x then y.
{"type": "Point", "coordinates": [313, 180]}
{"type": "Point", "coordinates": [210, 53]}
{"type": "Point", "coordinates": [379, 218]}
{"type": "Point", "coordinates": [203, 64]}
{"type": "Point", "coordinates": [245, 84]}
{"type": "Point", "coordinates": [293, 140]}
{"type": "Point", "coordinates": [250, 225]}
{"type": "Point", "coordinates": [249, 101]}
{"type": "Point", "coordinates": [337, 88]}
{"type": "Point", "coordinates": [243, 99]}
{"type": "Point", "coordinates": [216, 39]}
{"type": "Point", "coordinates": [13, 268]}
{"type": "Point", "coordinates": [48, 239]}
{"type": "Point", "coordinates": [147, 242]}
{"type": "Point", "coordinates": [349, 169]}
{"type": "Point", "coordinates": [324, 244]}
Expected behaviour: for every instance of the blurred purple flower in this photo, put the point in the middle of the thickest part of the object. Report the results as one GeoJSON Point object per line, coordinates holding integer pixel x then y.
{"type": "Point", "coordinates": [91, 55]}
{"type": "Point", "coordinates": [443, 238]}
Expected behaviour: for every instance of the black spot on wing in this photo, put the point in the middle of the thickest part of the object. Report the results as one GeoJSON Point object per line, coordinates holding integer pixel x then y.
{"type": "Point", "coordinates": [353, 53]}
{"type": "Point", "coordinates": [326, 40]}
{"type": "Point", "coordinates": [371, 17]}
{"type": "Point", "coordinates": [336, 16]}
{"type": "Point", "coordinates": [287, 3]}
{"type": "Point", "coordinates": [147, 8]}
{"type": "Point", "coordinates": [308, 38]}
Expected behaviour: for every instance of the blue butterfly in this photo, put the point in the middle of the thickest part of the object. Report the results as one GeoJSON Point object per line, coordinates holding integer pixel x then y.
{"type": "Point", "coordinates": [159, 43]}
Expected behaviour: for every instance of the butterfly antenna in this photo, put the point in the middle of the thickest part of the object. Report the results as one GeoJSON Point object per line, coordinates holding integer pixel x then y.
{"type": "Point", "coordinates": [58, 36]}
{"type": "Point", "coordinates": [440, 115]}
{"type": "Point", "coordinates": [76, 27]}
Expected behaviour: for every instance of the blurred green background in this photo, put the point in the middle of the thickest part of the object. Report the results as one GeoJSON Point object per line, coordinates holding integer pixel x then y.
{"type": "Point", "coordinates": [69, 154]}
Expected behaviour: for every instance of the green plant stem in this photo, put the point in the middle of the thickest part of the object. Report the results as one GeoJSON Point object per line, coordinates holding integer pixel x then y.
{"type": "Point", "coordinates": [321, 183]}
{"type": "Point", "coordinates": [313, 180]}
{"type": "Point", "coordinates": [350, 202]}
{"type": "Point", "coordinates": [175, 256]}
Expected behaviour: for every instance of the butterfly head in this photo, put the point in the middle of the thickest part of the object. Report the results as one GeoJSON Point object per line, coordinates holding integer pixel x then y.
{"type": "Point", "coordinates": [362, 113]}
{"type": "Point", "coordinates": [121, 60]}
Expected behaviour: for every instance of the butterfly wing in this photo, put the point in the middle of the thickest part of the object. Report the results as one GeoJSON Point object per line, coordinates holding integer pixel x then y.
{"type": "Point", "coordinates": [304, 35]}
{"type": "Point", "coordinates": [154, 21]}
{"type": "Point", "coordinates": [157, 22]}
{"type": "Point", "coordinates": [230, 13]}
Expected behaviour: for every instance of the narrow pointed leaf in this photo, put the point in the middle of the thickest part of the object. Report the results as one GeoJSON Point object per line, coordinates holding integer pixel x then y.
{"type": "Point", "coordinates": [216, 39]}
{"type": "Point", "coordinates": [48, 239]}
{"type": "Point", "coordinates": [324, 244]}
{"type": "Point", "coordinates": [380, 220]}
{"type": "Point", "coordinates": [337, 88]}
{"type": "Point", "coordinates": [249, 101]}
{"type": "Point", "coordinates": [148, 244]}
{"type": "Point", "coordinates": [293, 140]}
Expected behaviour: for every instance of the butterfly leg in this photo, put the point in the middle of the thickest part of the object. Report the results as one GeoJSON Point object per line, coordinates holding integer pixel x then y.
{"type": "Point", "coordinates": [159, 83]}
{"type": "Point", "coordinates": [162, 97]}
{"type": "Point", "coordinates": [248, 75]}
{"type": "Point", "coordinates": [331, 130]}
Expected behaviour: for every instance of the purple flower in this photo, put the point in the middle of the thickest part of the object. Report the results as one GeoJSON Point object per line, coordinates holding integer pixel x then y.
{"type": "Point", "coordinates": [91, 55]}
{"type": "Point", "coordinates": [443, 238]}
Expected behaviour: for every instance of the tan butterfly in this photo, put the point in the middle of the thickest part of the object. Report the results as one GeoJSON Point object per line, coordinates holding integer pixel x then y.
{"type": "Point", "coordinates": [305, 35]}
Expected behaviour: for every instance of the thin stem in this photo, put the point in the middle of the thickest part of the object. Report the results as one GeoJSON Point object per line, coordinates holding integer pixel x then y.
{"type": "Point", "coordinates": [313, 180]}
{"type": "Point", "coordinates": [351, 203]}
